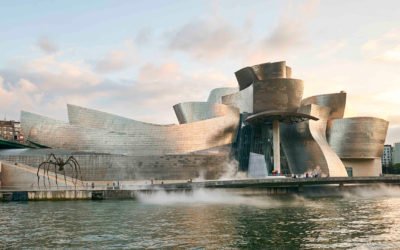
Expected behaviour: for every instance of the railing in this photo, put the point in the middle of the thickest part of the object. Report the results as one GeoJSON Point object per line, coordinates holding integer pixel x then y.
{"type": "Point", "coordinates": [56, 188]}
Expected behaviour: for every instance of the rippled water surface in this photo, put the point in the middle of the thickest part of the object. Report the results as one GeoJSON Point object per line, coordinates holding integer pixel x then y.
{"type": "Point", "coordinates": [365, 219]}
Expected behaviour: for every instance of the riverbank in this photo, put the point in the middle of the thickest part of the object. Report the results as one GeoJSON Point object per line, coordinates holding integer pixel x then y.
{"type": "Point", "coordinates": [273, 185]}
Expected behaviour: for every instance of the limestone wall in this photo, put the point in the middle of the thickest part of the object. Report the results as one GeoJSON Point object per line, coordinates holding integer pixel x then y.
{"type": "Point", "coordinates": [364, 167]}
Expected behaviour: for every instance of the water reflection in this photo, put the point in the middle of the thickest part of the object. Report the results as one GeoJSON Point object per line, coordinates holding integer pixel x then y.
{"type": "Point", "coordinates": [211, 219]}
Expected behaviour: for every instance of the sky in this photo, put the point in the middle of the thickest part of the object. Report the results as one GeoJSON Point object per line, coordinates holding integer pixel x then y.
{"type": "Point", "coordinates": [139, 58]}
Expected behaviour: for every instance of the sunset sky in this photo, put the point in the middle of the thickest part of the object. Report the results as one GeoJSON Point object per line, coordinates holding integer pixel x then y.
{"type": "Point", "coordinates": [139, 58]}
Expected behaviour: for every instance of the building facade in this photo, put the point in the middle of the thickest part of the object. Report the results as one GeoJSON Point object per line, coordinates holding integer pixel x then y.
{"type": "Point", "coordinates": [264, 126]}
{"type": "Point", "coordinates": [387, 156]}
{"type": "Point", "coordinates": [396, 153]}
{"type": "Point", "coordinates": [11, 131]}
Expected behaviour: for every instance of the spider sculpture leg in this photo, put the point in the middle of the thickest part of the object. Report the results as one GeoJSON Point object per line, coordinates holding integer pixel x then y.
{"type": "Point", "coordinates": [77, 168]}
{"type": "Point", "coordinates": [44, 174]}
{"type": "Point", "coordinates": [49, 165]}
{"type": "Point", "coordinates": [52, 157]}
{"type": "Point", "coordinates": [74, 180]}
{"type": "Point", "coordinates": [43, 164]}
{"type": "Point", "coordinates": [47, 172]}
{"type": "Point", "coordinates": [65, 178]}
{"type": "Point", "coordinates": [55, 171]}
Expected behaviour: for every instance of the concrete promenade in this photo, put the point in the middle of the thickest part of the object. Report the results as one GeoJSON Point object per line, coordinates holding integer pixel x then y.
{"type": "Point", "coordinates": [273, 185]}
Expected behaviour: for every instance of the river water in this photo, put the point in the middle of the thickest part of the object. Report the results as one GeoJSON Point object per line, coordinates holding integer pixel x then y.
{"type": "Point", "coordinates": [209, 219]}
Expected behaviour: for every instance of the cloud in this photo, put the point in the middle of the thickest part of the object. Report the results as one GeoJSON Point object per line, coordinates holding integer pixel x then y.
{"type": "Point", "coordinates": [158, 88]}
{"type": "Point", "coordinates": [385, 48]}
{"type": "Point", "coordinates": [290, 34]}
{"type": "Point", "coordinates": [394, 120]}
{"type": "Point", "coordinates": [291, 30]}
{"type": "Point", "coordinates": [46, 45]}
{"type": "Point", "coordinates": [331, 48]}
{"type": "Point", "coordinates": [46, 84]}
{"type": "Point", "coordinates": [144, 36]}
{"type": "Point", "coordinates": [54, 73]}
{"type": "Point", "coordinates": [206, 39]}
{"type": "Point", "coordinates": [118, 59]}
{"type": "Point", "coordinates": [393, 135]}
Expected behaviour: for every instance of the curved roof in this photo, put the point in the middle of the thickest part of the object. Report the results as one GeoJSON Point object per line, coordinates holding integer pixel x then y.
{"type": "Point", "coordinates": [248, 75]}
{"type": "Point", "coordinates": [216, 95]}
{"type": "Point", "coordinates": [106, 133]}
{"type": "Point", "coordinates": [188, 112]}
{"type": "Point", "coordinates": [336, 102]}
{"type": "Point", "coordinates": [243, 100]}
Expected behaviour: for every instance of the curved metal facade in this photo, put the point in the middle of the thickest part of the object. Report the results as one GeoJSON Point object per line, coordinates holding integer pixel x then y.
{"type": "Point", "coordinates": [336, 102]}
{"type": "Point", "coordinates": [189, 112]}
{"type": "Point", "coordinates": [216, 128]}
{"type": "Point", "coordinates": [216, 95]}
{"type": "Point", "coordinates": [358, 137]}
{"type": "Point", "coordinates": [112, 167]}
{"type": "Point", "coordinates": [106, 133]}
{"type": "Point", "coordinates": [277, 94]}
{"type": "Point", "coordinates": [306, 147]}
{"type": "Point", "coordinates": [243, 100]}
{"type": "Point", "coordinates": [249, 75]}
{"type": "Point", "coordinates": [98, 119]}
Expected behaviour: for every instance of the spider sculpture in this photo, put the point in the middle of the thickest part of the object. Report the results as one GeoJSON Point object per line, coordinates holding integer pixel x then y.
{"type": "Point", "coordinates": [59, 165]}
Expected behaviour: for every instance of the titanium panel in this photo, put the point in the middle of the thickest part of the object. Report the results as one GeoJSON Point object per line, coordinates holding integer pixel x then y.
{"type": "Point", "coordinates": [277, 94]}
{"type": "Point", "coordinates": [189, 112]}
{"type": "Point", "coordinates": [358, 137]}
{"type": "Point", "coordinates": [216, 95]}
{"type": "Point", "coordinates": [243, 100]}
{"type": "Point", "coordinates": [336, 102]}
{"type": "Point", "coordinates": [112, 167]}
{"type": "Point", "coordinates": [106, 133]}
{"type": "Point", "coordinates": [249, 75]}
{"type": "Point", "coordinates": [97, 119]}
{"type": "Point", "coordinates": [306, 147]}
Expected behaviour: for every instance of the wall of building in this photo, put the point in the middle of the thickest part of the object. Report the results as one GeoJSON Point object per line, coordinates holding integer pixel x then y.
{"type": "Point", "coordinates": [95, 131]}
{"type": "Point", "coordinates": [357, 137]}
{"type": "Point", "coordinates": [189, 112]}
{"type": "Point", "coordinates": [364, 167]}
{"type": "Point", "coordinates": [387, 156]}
{"type": "Point", "coordinates": [216, 95]}
{"type": "Point", "coordinates": [336, 102]}
{"type": "Point", "coordinates": [11, 131]}
{"type": "Point", "coordinates": [306, 147]}
{"type": "Point", "coordinates": [249, 75]}
{"type": "Point", "coordinates": [97, 167]}
{"type": "Point", "coordinates": [20, 176]}
{"type": "Point", "coordinates": [396, 153]}
{"type": "Point", "coordinates": [243, 100]}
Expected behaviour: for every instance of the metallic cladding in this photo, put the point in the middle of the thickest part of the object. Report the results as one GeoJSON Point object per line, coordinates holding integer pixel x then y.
{"type": "Point", "coordinates": [243, 100]}
{"type": "Point", "coordinates": [249, 75]}
{"type": "Point", "coordinates": [96, 131]}
{"type": "Point", "coordinates": [358, 137]}
{"type": "Point", "coordinates": [189, 112]}
{"type": "Point", "coordinates": [216, 95]}
{"type": "Point", "coordinates": [336, 102]}
{"type": "Point", "coordinates": [277, 94]}
{"type": "Point", "coordinates": [113, 167]}
{"type": "Point", "coordinates": [306, 147]}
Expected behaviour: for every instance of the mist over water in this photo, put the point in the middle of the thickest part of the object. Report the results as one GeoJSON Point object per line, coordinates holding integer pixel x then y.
{"type": "Point", "coordinates": [376, 191]}
{"type": "Point", "coordinates": [210, 197]}
{"type": "Point", "coordinates": [358, 218]}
